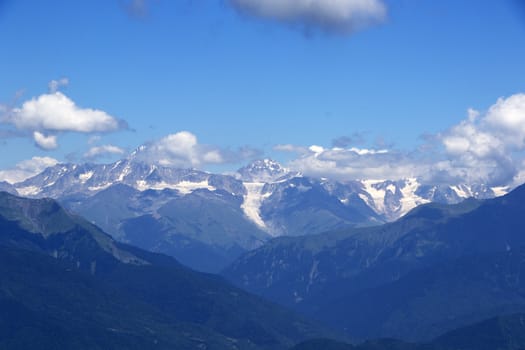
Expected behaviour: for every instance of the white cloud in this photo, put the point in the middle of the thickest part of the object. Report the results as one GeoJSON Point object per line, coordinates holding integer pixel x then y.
{"type": "Point", "coordinates": [180, 144]}
{"type": "Point", "coordinates": [26, 169]}
{"type": "Point", "coordinates": [94, 139]}
{"type": "Point", "coordinates": [469, 138]}
{"type": "Point", "coordinates": [317, 150]}
{"type": "Point", "coordinates": [488, 147]}
{"type": "Point", "coordinates": [213, 157]}
{"type": "Point", "coordinates": [351, 163]}
{"type": "Point", "coordinates": [102, 151]}
{"type": "Point", "coordinates": [37, 164]}
{"type": "Point", "coordinates": [45, 117]}
{"type": "Point", "coordinates": [484, 148]}
{"type": "Point", "coordinates": [337, 16]}
{"type": "Point", "coordinates": [519, 178]}
{"type": "Point", "coordinates": [179, 150]}
{"type": "Point", "coordinates": [57, 112]}
{"type": "Point", "coordinates": [45, 142]}
{"type": "Point", "coordinates": [183, 150]}
{"type": "Point", "coordinates": [506, 119]}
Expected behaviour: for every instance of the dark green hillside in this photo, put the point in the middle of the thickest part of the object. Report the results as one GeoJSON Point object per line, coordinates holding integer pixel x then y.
{"type": "Point", "coordinates": [66, 284]}
{"type": "Point", "coordinates": [425, 303]}
{"type": "Point", "coordinates": [438, 268]}
{"type": "Point", "coordinates": [204, 230]}
{"type": "Point", "coordinates": [498, 333]}
{"type": "Point", "coordinates": [47, 304]}
{"type": "Point", "coordinates": [325, 344]}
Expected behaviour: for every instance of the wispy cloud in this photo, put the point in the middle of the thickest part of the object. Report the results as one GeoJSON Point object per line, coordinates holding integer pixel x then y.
{"type": "Point", "coordinates": [351, 163]}
{"type": "Point", "coordinates": [54, 85]}
{"type": "Point", "coordinates": [137, 8]}
{"type": "Point", "coordinates": [355, 139]}
{"type": "Point", "coordinates": [331, 16]}
{"type": "Point", "coordinates": [103, 151]}
{"type": "Point", "coordinates": [26, 169]}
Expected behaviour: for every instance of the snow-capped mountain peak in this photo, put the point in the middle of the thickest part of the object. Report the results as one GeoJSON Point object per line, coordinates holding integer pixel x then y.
{"type": "Point", "coordinates": [87, 179]}
{"type": "Point", "coordinates": [264, 170]}
{"type": "Point", "coordinates": [392, 199]}
{"type": "Point", "coordinates": [266, 192]}
{"type": "Point", "coordinates": [134, 156]}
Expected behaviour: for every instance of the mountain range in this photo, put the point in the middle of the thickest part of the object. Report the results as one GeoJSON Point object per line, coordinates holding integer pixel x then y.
{"type": "Point", "coordinates": [190, 214]}
{"type": "Point", "coordinates": [66, 284]}
{"type": "Point", "coordinates": [438, 268]}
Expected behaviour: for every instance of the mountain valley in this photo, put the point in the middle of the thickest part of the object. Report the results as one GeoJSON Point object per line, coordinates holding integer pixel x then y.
{"type": "Point", "coordinates": [189, 212]}
{"type": "Point", "coordinates": [438, 268]}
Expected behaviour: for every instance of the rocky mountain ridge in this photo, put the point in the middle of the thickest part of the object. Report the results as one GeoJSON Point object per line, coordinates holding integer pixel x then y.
{"type": "Point", "coordinates": [188, 213]}
{"type": "Point", "coordinates": [256, 183]}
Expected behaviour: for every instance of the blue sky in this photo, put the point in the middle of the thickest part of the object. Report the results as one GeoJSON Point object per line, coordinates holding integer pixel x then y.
{"type": "Point", "coordinates": [244, 80]}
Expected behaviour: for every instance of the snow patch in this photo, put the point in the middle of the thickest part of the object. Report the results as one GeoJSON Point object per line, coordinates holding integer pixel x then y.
{"type": "Point", "coordinates": [115, 165]}
{"type": "Point", "coordinates": [252, 202]}
{"type": "Point", "coordinates": [303, 188]}
{"type": "Point", "coordinates": [85, 176]}
{"type": "Point", "coordinates": [184, 187]}
{"type": "Point", "coordinates": [500, 191]}
{"type": "Point", "coordinates": [125, 172]}
{"type": "Point", "coordinates": [410, 199]}
{"type": "Point", "coordinates": [407, 200]}
{"type": "Point", "coordinates": [461, 191]}
{"type": "Point", "coordinates": [28, 191]}
{"type": "Point", "coordinates": [364, 198]}
{"type": "Point", "coordinates": [99, 188]}
{"type": "Point", "coordinates": [378, 196]}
